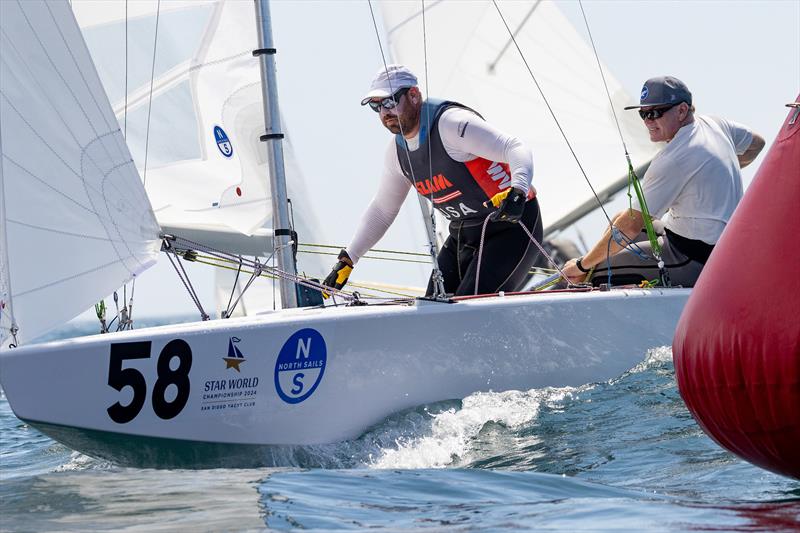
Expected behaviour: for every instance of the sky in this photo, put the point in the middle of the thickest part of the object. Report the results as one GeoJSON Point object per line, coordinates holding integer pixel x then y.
{"type": "Point", "coordinates": [740, 59]}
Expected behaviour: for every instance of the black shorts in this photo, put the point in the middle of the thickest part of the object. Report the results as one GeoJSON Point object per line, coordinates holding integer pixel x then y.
{"type": "Point", "coordinates": [508, 255]}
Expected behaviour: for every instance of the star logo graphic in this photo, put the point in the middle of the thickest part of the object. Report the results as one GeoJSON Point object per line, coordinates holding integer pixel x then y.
{"type": "Point", "coordinates": [235, 357]}
{"type": "Point", "coordinates": [233, 363]}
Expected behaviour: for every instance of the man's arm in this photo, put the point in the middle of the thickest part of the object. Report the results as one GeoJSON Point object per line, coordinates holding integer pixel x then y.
{"type": "Point", "coordinates": [383, 209]}
{"type": "Point", "coordinates": [749, 155]}
{"type": "Point", "coordinates": [629, 221]}
{"type": "Point", "coordinates": [465, 136]}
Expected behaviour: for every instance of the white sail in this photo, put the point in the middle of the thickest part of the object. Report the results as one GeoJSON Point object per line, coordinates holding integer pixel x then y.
{"type": "Point", "coordinates": [206, 81]}
{"type": "Point", "coordinates": [471, 59]}
{"type": "Point", "coordinates": [204, 107]}
{"type": "Point", "coordinates": [206, 167]}
{"type": "Point", "coordinates": [76, 221]}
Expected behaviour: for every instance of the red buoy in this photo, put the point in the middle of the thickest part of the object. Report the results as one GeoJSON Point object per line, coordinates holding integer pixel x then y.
{"type": "Point", "coordinates": [737, 346]}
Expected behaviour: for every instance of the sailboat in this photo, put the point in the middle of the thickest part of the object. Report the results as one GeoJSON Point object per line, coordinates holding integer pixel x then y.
{"type": "Point", "coordinates": [226, 392]}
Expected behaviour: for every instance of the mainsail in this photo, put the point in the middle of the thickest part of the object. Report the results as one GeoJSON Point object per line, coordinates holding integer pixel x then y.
{"type": "Point", "coordinates": [472, 59]}
{"type": "Point", "coordinates": [76, 221]}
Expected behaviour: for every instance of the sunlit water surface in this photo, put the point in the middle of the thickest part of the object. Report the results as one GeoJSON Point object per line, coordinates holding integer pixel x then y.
{"type": "Point", "coordinates": [619, 455]}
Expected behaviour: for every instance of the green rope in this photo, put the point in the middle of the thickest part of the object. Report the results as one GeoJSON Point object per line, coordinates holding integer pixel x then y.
{"type": "Point", "coordinates": [100, 309]}
{"type": "Point", "coordinates": [633, 181]}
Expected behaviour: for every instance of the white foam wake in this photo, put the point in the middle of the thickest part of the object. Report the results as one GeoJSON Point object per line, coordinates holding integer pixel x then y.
{"type": "Point", "coordinates": [452, 431]}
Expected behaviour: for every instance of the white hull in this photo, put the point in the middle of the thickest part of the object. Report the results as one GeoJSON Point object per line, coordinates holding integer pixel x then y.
{"type": "Point", "coordinates": [363, 364]}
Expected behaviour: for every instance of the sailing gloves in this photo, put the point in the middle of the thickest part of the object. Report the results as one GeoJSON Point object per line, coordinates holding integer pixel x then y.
{"type": "Point", "coordinates": [511, 203]}
{"type": "Point", "coordinates": [340, 273]}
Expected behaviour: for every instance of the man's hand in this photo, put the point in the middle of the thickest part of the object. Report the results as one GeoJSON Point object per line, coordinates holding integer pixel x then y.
{"type": "Point", "coordinates": [512, 204]}
{"type": "Point", "coordinates": [340, 273]}
{"type": "Point", "coordinates": [573, 273]}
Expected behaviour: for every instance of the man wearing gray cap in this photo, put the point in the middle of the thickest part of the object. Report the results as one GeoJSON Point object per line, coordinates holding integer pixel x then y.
{"type": "Point", "coordinates": [693, 185]}
{"type": "Point", "coordinates": [469, 170]}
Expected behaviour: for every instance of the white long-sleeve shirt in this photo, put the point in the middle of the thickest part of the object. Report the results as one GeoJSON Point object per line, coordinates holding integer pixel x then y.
{"type": "Point", "coordinates": [465, 137]}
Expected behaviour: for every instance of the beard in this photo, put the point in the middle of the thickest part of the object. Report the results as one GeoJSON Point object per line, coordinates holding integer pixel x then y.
{"type": "Point", "coordinates": [403, 122]}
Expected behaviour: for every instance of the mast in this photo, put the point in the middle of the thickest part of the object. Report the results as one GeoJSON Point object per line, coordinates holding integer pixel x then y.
{"type": "Point", "coordinates": [273, 138]}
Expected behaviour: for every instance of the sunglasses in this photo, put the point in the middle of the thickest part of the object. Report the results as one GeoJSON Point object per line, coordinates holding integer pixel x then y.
{"type": "Point", "coordinates": [656, 112]}
{"type": "Point", "coordinates": [390, 102]}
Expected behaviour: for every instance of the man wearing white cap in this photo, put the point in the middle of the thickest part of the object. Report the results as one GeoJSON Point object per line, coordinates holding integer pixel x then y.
{"type": "Point", "coordinates": [693, 184]}
{"type": "Point", "coordinates": [469, 170]}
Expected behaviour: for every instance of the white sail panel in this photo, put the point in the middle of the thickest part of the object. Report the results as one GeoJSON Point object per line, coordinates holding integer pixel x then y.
{"type": "Point", "coordinates": [200, 135]}
{"type": "Point", "coordinates": [77, 221]}
{"type": "Point", "coordinates": [471, 59]}
{"type": "Point", "coordinates": [206, 78]}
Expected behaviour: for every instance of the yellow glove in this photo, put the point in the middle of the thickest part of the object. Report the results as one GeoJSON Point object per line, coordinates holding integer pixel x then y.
{"type": "Point", "coordinates": [498, 198]}
{"type": "Point", "coordinates": [340, 273]}
{"type": "Point", "coordinates": [511, 204]}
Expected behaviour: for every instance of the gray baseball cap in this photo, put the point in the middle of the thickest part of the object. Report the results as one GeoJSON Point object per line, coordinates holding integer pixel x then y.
{"type": "Point", "coordinates": [663, 90]}
{"type": "Point", "coordinates": [389, 80]}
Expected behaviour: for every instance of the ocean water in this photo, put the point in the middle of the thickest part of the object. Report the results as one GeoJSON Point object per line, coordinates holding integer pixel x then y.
{"type": "Point", "coordinates": [619, 455]}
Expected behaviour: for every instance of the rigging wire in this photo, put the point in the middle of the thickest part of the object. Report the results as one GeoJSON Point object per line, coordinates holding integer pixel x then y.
{"type": "Point", "coordinates": [192, 245]}
{"type": "Point", "coordinates": [184, 277]}
{"type": "Point", "coordinates": [150, 100]}
{"type": "Point", "coordinates": [438, 278]}
{"type": "Point", "coordinates": [502, 52]}
{"type": "Point", "coordinates": [125, 115]}
{"type": "Point", "coordinates": [603, 77]}
{"type": "Point", "coordinates": [633, 181]}
{"type": "Point", "coordinates": [437, 274]}
{"type": "Point", "coordinates": [146, 152]}
{"type": "Point", "coordinates": [127, 309]}
{"type": "Point", "coordinates": [552, 113]}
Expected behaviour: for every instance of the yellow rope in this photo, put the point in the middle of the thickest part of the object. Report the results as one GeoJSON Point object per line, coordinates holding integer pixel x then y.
{"type": "Point", "coordinates": [218, 262]}
{"type": "Point", "coordinates": [378, 250]}
{"type": "Point", "coordinates": [371, 257]}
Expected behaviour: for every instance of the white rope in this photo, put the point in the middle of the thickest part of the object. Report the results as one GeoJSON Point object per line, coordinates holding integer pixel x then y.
{"type": "Point", "coordinates": [530, 236]}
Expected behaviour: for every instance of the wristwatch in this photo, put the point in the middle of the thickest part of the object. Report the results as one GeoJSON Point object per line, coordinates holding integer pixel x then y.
{"type": "Point", "coordinates": [580, 266]}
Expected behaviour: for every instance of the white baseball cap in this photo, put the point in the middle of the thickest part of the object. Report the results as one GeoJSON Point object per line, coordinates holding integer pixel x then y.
{"type": "Point", "coordinates": [388, 81]}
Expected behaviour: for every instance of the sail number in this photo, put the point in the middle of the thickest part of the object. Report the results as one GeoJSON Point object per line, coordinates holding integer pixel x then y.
{"type": "Point", "coordinates": [119, 378]}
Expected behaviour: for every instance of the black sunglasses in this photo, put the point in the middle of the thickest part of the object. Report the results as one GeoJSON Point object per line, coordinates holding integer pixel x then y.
{"type": "Point", "coordinates": [390, 102]}
{"type": "Point", "coordinates": [656, 112]}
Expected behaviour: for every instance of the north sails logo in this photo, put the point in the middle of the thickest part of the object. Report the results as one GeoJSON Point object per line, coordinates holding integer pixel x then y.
{"type": "Point", "coordinates": [235, 357]}
{"type": "Point", "coordinates": [223, 143]}
{"type": "Point", "coordinates": [645, 92]}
